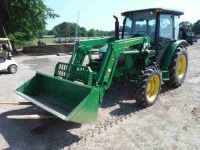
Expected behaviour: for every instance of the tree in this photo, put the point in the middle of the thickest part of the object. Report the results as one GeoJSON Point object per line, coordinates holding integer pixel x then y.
{"type": "Point", "coordinates": [196, 27]}
{"type": "Point", "coordinates": [50, 32]}
{"type": "Point", "coordinates": [69, 29]}
{"type": "Point", "coordinates": [91, 33]}
{"type": "Point", "coordinates": [65, 29]}
{"type": "Point", "coordinates": [82, 32]}
{"type": "Point", "coordinates": [98, 33]}
{"type": "Point", "coordinates": [23, 19]}
{"type": "Point", "coordinates": [187, 26]}
{"type": "Point", "coordinates": [120, 28]}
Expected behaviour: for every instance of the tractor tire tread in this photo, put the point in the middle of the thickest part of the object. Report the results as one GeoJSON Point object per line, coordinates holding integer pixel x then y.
{"type": "Point", "coordinates": [174, 82]}
{"type": "Point", "coordinates": [141, 87]}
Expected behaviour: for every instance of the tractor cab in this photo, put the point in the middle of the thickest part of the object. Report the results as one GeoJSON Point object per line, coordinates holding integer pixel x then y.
{"type": "Point", "coordinates": [161, 25]}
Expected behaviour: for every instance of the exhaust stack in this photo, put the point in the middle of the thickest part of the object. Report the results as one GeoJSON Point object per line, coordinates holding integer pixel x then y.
{"type": "Point", "coordinates": [116, 27]}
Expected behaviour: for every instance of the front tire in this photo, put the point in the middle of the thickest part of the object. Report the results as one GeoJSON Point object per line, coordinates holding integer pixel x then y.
{"type": "Point", "coordinates": [178, 68]}
{"type": "Point", "coordinates": [12, 69]}
{"type": "Point", "coordinates": [148, 87]}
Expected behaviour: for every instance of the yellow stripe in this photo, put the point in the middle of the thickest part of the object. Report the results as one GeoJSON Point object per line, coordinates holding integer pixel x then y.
{"type": "Point", "coordinates": [128, 41]}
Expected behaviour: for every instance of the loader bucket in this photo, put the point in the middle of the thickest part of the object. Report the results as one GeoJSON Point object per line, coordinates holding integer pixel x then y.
{"type": "Point", "coordinates": [65, 99]}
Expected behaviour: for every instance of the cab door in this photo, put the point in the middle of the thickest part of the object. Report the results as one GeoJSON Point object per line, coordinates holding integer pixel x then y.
{"type": "Point", "coordinates": [168, 27]}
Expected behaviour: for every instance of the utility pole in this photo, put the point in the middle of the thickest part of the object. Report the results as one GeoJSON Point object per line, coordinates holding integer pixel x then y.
{"type": "Point", "coordinates": [73, 54]}
{"type": "Point", "coordinates": [77, 25]}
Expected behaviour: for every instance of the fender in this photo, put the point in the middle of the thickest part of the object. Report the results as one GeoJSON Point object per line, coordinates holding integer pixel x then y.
{"type": "Point", "coordinates": [168, 55]}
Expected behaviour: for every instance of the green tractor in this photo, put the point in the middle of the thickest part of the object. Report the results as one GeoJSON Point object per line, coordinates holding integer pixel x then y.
{"type": "Point", "coordinates": [148, 52]}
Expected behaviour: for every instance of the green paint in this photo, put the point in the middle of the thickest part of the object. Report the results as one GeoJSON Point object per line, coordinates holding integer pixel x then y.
{"type": "Point", "coordinates": [63, 98]}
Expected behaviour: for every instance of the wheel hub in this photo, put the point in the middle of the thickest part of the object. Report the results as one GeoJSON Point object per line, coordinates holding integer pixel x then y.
{"type": "Point", "coordinates": [181, 66]}
{"type": "Point", "coordinates": [153, 87]}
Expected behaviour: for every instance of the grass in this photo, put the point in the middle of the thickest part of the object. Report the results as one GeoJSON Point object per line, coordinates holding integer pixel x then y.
{"type": "Point", "coordinates": [48, 41]}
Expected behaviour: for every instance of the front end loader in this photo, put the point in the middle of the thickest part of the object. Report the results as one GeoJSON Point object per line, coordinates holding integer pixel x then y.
{"type": "Point", "coordinates": [148, 52]}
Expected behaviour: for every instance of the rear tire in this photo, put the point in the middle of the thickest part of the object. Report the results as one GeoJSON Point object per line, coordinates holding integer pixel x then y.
{"type": "Point", "coordinates": [178, 68]}
{"type": "Point", "coordinates": [12, 69]}
{"type": "Point", "coordinates": [148, 87]}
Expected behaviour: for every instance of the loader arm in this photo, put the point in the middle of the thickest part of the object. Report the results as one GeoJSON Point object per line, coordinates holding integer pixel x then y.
{"type": "Point", "coordinates": [114, 51]}
{"type": "Point", "coordinates": [83, 47]}
{"type": "Point", "coordinates": [115, 48]}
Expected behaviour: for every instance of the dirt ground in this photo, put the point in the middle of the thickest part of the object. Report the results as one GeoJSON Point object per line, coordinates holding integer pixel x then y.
{"type": "Point", "coordinates": [173, 122]}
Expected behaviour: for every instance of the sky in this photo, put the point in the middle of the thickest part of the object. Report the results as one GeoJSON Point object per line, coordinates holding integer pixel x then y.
{"type": "Point", "coordinates": [98, 14]}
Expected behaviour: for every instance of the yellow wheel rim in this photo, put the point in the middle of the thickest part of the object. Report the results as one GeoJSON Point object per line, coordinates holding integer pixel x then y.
{"type": "Point", "coordinates": [181, 66]}
{"type": "Point", "coordinates": [153, 87]}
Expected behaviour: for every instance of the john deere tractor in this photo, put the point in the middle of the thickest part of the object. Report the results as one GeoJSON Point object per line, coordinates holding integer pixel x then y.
{"type": "Point", "coordinates": [148, 52]}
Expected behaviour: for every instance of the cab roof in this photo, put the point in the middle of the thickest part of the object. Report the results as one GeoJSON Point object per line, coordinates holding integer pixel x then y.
{"type": "Point", "coordinates": [158, 10]}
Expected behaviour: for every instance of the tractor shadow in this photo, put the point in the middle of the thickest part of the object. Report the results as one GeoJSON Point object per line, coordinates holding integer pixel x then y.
{"type": "Point", "coordinates": [36, 134]}
{"type": "Point", "coordinates": [123, 97]}
{"type": "Point", "coordinates": [54, 133]}
{"type": "Point", "coordinates": [165, 89]}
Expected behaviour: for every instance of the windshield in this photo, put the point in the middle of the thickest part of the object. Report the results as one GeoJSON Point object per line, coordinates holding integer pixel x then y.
{"type": "Point", "coordinates": [140, 24]}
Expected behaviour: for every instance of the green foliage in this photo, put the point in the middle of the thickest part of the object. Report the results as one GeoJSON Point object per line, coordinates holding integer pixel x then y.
{"type": "Point", "coordinates": [68, 29]}
{"type": "Point", "coordinates": [188, 26]}
{"type": "Point", "coordinates": [82, 32]}
{"type": "Point", "coordinates": [50, 32]}
{"type": "Point", "coordinates": [196, 27]}
{"type": "Point", "coordinates": [91, 33]}
{"type": "Point", "coordinates": [104, 33]}
{"type": "Point", "coordinates": [23, 19]}
{"type": "Point", "coordinates": [120, 28]}
{"type": "Point", "coordinates": [47, 41]}
{"type": "Point", "coordinates": [65, 29]}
